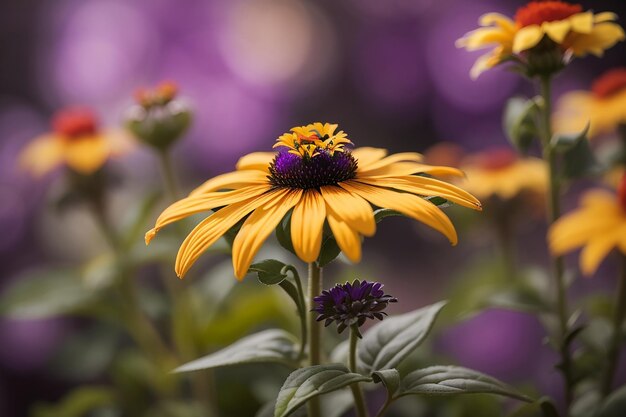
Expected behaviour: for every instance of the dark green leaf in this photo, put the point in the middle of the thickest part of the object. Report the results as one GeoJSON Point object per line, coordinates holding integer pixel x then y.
{"type": "Point", "coordinates": [614, 405]}
{"type": "Point", "coordinates": [579, 161]}
{"type": "Point", "coordinates": [390, 379]}
{"type": "Point", "coordinates": [387, 343]}
{"type": "Point", "coordinates": [306, 383]}
{"type": "Point", "coordinates": [137, 220]}
{"type": "Point", "coordinates": [77, 403]}
{"type": "Point", "coordinates": [283, 233]}
{"type": "Point", "coordinates": [519, 123]}
{"type": "Point", "coordinates": [273, 346]}
{"type": "Point", "coordinates": [383, 212]}
{"type": "Point", "coordinates": [269, 271]}
{"type": "Point", "coordinates": [45, 293]}
{"type": "Point", "coordinates": [329, 251]}
{"type": "Point", "coordinates": [450, 380]}
{"type": "Point", "coordinates": [565, 142]}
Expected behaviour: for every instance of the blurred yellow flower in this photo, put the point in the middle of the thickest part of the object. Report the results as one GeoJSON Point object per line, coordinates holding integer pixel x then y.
{"type": "Point", "coordinates": [603, 107]}
{"type": "Point", "coordinates": [75, 141]}
{"type": "Point", "coordinates": [499, 172]}
{"type": "Point", "coordinates": [566, 25]}
{"type": "Point", "coordinates": [324, 184]}
{"type": "Point", "coordinates": [598, 226]}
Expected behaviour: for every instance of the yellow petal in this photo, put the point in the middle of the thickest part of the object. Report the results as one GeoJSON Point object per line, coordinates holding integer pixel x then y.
{"type": "Point", "coordinates": [257, 228]}
{"type": "Point", "coordinates": [557, 30]}
{"type": "Point", "coordinates": [232, 181]}
{"type": "Point", "coordinates": [350, 208]}
{"type": "Point", "coordinates": [596, 250]}
{"type": "Point", "coordinates": [577, 228]}
{"type": "Point", "coordinates": [408, 168]}
{"type": "Point", "coordinates": [483, 63]}
{"type": "Point", "coordinates": [392, 159]}
{"type": "Point", "coordinates": [498, 19]}
{"type": "Point", "coordinates": [527, 37]}
{"type": "Point", "coordinates": [604, 17]}
{"type": "Point", "coordinates": [120, 142]}
{"type": "Point", "coordinates": [202, 202]}
{"type": "Point", "coordinates": [42, 155]}
{"type": "Point", "coordinates": [87, 155]}
{"type": "Point", "coordinates": [582, 22]}
{"type": "Point", "coordinates": [307, 225]}
{"type": "Point", "coordinates": [347, 238]}
{"type": "Point", "coordinates": [212, 228]}
{"type": "Point", "coordinates": [407, 204]}
{"type": "Point", "coordinates": [256, 160]}
{"type": "Point", "coordinates": [602, 37]}
{"type": "Point", "coordinates": [485, 37]}
{"type": "Point", "coordinates": [366, 155]}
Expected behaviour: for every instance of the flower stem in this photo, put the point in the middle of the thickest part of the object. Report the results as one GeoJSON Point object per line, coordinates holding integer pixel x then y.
{"type": "Point", "coordinates": [554, 212]}
{"type": "Point", "coordinates": [618, 321]}
{"type": "Point", "coordinates": [359, 402]}
{"type": "Point", "coordinates": [314, 330]}
{"type": "Point", "coordinates": [302, 310]}
{"type": "Point", "coordinates": [169, 178]}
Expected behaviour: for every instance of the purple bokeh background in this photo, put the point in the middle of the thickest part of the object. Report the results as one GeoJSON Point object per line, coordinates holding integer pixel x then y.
{"type": "Point", "coordinates": [387, 72]}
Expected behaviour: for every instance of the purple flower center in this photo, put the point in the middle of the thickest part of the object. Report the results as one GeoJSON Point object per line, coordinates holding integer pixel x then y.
{"type": "Point", "coordinates": [293, 171]}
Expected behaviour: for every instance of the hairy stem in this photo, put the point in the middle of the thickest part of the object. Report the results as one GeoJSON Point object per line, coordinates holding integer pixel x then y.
{"type": "Point", "coordinates": [314, 330]}
{"type": "Point", "coordinates": [357, 393]}
{"type": "Point", "coordinates": [618, 321]}
{"type": "Point", "coordinates": [554, 212]}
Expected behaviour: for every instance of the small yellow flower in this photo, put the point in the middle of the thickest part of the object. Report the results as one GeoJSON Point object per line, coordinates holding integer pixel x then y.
{"type": "Point", "coordinates": [598, 226]}
{"type": "Point", "coordinates": [322, 184]}
{"type": "Point", "coordinates": [75, 141]}
{"type": "Point", "coordinates": [565, 25]}
{"type": "Point", "coordinates": [501, 173]}
{"type": "Point", "coordinates": [603, 107]}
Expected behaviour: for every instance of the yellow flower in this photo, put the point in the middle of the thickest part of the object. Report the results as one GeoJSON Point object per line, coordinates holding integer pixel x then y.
{"type": "Point", "coordinates": [501, 173]}
{"type": "Point", "coordinates": [565, 25]}
{"type": "Point", "coordinates": [598, 226]}
{"type": "Point", "coordinates": [326, 184]}
{"type": "Point", "coordinates": [75, 141]}
{"type": "Point", "coordinates": [603, 107]}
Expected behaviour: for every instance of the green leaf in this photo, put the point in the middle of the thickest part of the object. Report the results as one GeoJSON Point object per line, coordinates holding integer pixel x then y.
{"type": "Point", "coordinates": [579, 160]}
{"type": "Point", "coordinates": [136, 221]}
{"type": "Point", "coordinates": [565, 142]}
{"type": "Point", "coordinates": [329, 251]}
{"type": "Point", "coordinates": [519, 119]}
{"type": "Point", "coordinates": [269, 346]}
{"type": "Point", "coordinates": [269, 271]}
{"type": "Point", "coordinates": [45, 293]}
{"type": "Point", "coordinates": [306, 383]}
{"type": "Point", "coordinates": [77, 403]}
{"type": "Point", "coordinates": [387, 343]}
{"type": "Point", "coordinates": [283, 233]}
{"type": "Point", "coordinates": [390, 379]}
{"type": "Point", "coordinates": [451, 380]}
{"type": "Point", "coordinates": [383, 212]}
{"type": "Point", "coordinates": [614, 405]}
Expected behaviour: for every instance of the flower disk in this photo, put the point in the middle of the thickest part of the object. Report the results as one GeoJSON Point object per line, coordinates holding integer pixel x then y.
{"type": "Point", "coordinates": [352, 304]}
{"type": "Point", "coordinates": [293, 171]}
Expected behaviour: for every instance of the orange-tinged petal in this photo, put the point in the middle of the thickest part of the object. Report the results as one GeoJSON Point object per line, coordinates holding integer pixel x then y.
{"type": "Point", "coordinates": [392, 159]}
{"type": "Point", "coordinates": [256, 160]}
{"type": "Point", "coordinates": [527, 37]}
{"type": "Point", "coordinates": [350, 208]}
{"type": "Point", "coordinates": [596, 250]}
{"type": "Point", "coordinates": [257, 228]}
{"type": "Point", "coordinates": [232, 180]}
{"type": "Point", "coordinates": [202, 202]}
{"type": "Point", "coordinates": [307, 225]}
{"type": "Point", "coordinates": [407, 204]}
{"type": "Point", "coordinates": [207, 232]}
{"type": "Point", "coordinates": [87, 155]}
{"type": "Point", "coordinates": [366, 155]}
{"type": "Point", "coordinates": [409, 168]}
{"type": "Point", "coordinates": [347, 238]}
{"type": "Point", "coordinates": [42, 155]}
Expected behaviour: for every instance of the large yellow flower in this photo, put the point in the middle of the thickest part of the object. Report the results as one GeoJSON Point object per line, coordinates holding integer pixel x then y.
{"type": "Point", "coordinates": [603, 107]}
{"type": "Point", "coordinates": [501, 173]}
{"type": "Point", "coordinates": [598, 226]}
{"type": "Point", "coordinates": [75, 141]}
{"type": "Point", "coordinates": [566, 25]}
{"type": "Point", "coordinates": [324, 184]}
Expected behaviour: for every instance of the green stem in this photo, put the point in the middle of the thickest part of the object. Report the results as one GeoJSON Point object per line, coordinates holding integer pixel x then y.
{"type": "Point", "coordinates": [618, 321]}
{"type": "Point", "coordinates": [202, 383]}
{"type": "Point", "coordinates": [359, 402]}
{"type": "Point", "coordinates": [314, 330]}
{"type": "Point", "coordinates": [503, 224]}
{"type": "Point", "coordinates": [384, 408]}
{"type": "Point", "coordinates": [302, 310]}
{"type": "Point", "coordinates": [554, 212]}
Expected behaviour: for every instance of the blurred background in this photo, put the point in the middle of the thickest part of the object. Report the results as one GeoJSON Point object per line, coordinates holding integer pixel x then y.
{"type": "Point", "coordinates": [387, 72]}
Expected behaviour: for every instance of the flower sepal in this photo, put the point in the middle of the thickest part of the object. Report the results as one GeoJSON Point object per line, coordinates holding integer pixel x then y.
{"type": "Point", "coordinates": [519, 121]}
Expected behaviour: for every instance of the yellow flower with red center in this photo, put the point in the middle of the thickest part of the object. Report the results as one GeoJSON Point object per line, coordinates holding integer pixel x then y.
{"type": "Point", "coordinates": [499, 172]}
{"type": "Point", "coordinates": [565, 25]}
{"type": "Point", "coordinates": [598, 226]}
{"type": "Point", "coordinates": [75, 141]}
{"type": "Point", "coordinates": [325, 184]}
{"type": "Point", "coordinates": [603, 106]}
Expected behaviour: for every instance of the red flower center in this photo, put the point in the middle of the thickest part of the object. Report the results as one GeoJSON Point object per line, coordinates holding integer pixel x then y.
{"type": "Point", "coordinates": [621, 192]}
{"type": "Point", "coordinates": [497, 159]}
{"type": "Point", "coordinates": [74, 122]}
{"type": "Point", "coordinates": [609, 83]}
{"type": "Point", "coordinates": [537, 12]}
